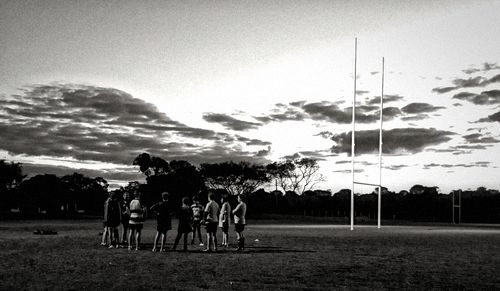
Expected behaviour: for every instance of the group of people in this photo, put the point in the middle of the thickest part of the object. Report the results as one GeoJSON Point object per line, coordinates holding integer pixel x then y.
{"type": "Point", "coordinates": [191, 218]}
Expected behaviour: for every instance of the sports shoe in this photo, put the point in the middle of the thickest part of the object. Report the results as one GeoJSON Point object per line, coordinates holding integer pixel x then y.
{"type": "Point", "coordinates": [201, 244]}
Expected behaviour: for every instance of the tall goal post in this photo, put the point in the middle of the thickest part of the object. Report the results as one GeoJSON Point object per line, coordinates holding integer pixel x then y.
{"type": "Point", "coordinates": [353, 143]}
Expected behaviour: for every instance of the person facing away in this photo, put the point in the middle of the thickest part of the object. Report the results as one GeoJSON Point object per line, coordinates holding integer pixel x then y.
{"type": "Point", "coordinates": [185, 216]}
{"type": "Point", "coordinates": [197, 209]}
{"type": "Point", "coordinates": [163, 221]}
{"type": "Point", "coordinates": [225, 220]}
{"type": "Point", "coordinates": [239, 221]}
{"type": "Point", "coordinates": [211, 222]}
{"type": "Point", "coordinates": [105, 234]}
{"type": "Point", "coordinates": [137, 217]}
{"type": "Point", "coordinates": [112, 217]}
{"type": "Point", "coordinates": [125, 203]}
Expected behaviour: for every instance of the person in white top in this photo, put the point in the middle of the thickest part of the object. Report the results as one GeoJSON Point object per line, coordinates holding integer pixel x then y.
{"type": "Point", "coordinates": [211, 222]}
{"type": "Point", "coordinates": [136, 221]}
{"type": "Point", "coordinates": [225, 220]}
{"type": "Point", "coordinates": [239, 221]}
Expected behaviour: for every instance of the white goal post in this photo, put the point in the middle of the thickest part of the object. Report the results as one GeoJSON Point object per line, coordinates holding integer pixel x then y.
{"type": "Point", "coordinates": [353, 144]}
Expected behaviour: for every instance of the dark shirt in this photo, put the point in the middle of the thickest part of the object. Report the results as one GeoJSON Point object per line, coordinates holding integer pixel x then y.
{"type": "Point", "coordinates": [162, 211]}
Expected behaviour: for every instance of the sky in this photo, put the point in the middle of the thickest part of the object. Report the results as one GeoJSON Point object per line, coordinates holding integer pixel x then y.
{"type": "Point", "coordinates": [88, 85]}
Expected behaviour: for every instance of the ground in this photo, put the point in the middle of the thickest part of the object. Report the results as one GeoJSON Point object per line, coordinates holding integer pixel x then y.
{"type": "Point", "coordinates": [279, 256]}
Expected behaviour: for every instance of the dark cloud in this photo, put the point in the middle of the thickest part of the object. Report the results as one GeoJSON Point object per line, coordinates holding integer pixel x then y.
{"type": "Point", "coordinates": [441, 90]}
{"type": "Point", "coordinates": [387, 98]}
{"type": "Point", "coordinates": [469, 165]}
{"type": "Point", "coordinates": [252, 141]}
{"type": "Point", "coordinates": [468, 83]}
{"type": "Point", "coordinates": [485, 67]}
{"type": "Point", "coordinates": [120, 174]}
{"type": "Point", "coordinates": [264, 153]}
{"type": "Point", "coordinates": [361, 92]}
{"type": "Point", "coordinates": [485, 98]}
{"type": "Point", "coordinates": [480, 139]}
{"type": "Point", "coordinates": [415, 117]}
{"type": "Point", "coordinates": [230, 122]}
{"type": "Point", "coordinates": [331, 112]}
{"type": "Point", "coordinates": [103, 124]}
{"type": "Point", "coordinates": [471, 71]}
{"type": "Point", "coordinates": [395, 141]}
{"type": "Point", "coordinates": [417, 108]}
{"type": "Point", "coordinates": [395, 167]}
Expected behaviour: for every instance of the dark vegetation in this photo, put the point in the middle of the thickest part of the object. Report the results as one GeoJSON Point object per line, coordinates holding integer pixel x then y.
{"type": "Point", "coordinates": [293, 181]}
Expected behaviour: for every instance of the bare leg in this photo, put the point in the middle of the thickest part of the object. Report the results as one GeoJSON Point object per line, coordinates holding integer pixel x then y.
{"type": "Point", "coordinates": [209, 241]}
{"type": "Point", "coordinates": [125, 234]}
{"type": "Point", "coordinates": [163, 241]}
{"type": "Point", "coordinates": [214, 236]}
{"type": "Point", "coordinates": [104, 237]}
{"type": "Point", "coordinates": [137, 239]}
{"type": "Point", "coordinates": [130, 235]}
{"type": "Point", "coordinates": [157, 236]}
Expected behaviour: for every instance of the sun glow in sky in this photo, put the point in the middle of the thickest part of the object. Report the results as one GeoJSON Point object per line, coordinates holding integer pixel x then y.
{"type": "Point", "coordinates": [88, 85]}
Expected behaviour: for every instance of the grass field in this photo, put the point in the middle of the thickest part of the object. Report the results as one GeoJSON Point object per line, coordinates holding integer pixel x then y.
{"type": "Point", "coordinates": [286, 256]}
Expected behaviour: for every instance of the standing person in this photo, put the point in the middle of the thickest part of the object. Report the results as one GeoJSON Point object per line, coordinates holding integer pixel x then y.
{"type": "Point", "coordinates": [125, 206]}
{"type": "Point", "coordinates": [225, 220]}
{"type": "Point", "coordinates": [211, 221]}
{"type": "Point", "coordinates": [185, 216]}
{"type": "Point", "coordinates": [137, 216]}
{"type": "Point", "coordinates": [112, 217]}
{"type": "Point", "coordinates": [163, 221]}
{"type": "Point", "coordinates": [105, 234]}
{"type": "Point", "coordinates": [197, 209]}
{"type": "Point", "coordinates": [239, 221]}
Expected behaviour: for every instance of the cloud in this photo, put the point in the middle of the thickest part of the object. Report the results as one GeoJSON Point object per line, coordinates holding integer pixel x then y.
{"type": "Point", "coordinates": [264, 153]}
{"type": "Point", "coordinates": [469, 165]}
{"type": "Point", "coordinates": [417, 108]}
{"type": "Point", "coordinates": [395, 141]}
{"type": "Point", "coordinates": [106, 125]}
{"type": "Point", "coordinates": [120, 174]}
{"type": "Point", "coordinates": [477, 138]}
{"type": "Point", "coordinates": [387, 98]}
{"type": "Point", "coordinates": [491, 118]}
{"type": "Point", "coordinates": [468, 83]}
{"type": "Point", "coordinates": [485, 98]}
{"type": "Point", "coordinates": [230, 122]}
{"type": "Point", "coordinates": [486, 67]}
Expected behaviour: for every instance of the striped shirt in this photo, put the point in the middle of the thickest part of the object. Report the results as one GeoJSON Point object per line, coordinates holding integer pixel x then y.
{"type": "Point", "coordinates": [137, 212]}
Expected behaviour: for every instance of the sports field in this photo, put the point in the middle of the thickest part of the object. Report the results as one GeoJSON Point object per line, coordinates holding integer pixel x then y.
{"type": "Point", "coordinates": [278, 257]}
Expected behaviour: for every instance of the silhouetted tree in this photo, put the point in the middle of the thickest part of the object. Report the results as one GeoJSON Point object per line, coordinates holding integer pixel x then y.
{"type": "Point", "coordinates": [11, 175]}
{"type": "Point", "coordinates": [235, 178]}
{"type": "Point", "coordinates": [297, 175]}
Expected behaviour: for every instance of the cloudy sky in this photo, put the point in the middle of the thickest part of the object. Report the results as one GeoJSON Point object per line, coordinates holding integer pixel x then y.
{"type": "Point", "coordinates": [88, 85]}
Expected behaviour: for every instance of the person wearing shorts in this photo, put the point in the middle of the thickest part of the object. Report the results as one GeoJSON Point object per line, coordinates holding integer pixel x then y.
{"type": "Point", "coordinates": [211, 222]}
{"type": "Point", "coordinates": [137, 216]}
{"type": "Point", "coordinates": [225, 220]}
{"type": "Point", "coordinates": [163, 221]}
{"type": "Point", "coordinates": [197, 210]}
{"type": "Point", "coordinates": [239, 221]}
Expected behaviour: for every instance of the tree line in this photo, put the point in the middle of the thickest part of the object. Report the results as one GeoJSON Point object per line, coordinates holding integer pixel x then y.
{"type": "Point", "coordinates": [293, 183]}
